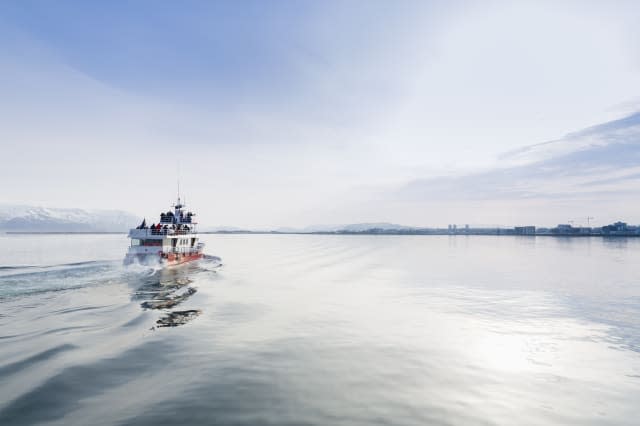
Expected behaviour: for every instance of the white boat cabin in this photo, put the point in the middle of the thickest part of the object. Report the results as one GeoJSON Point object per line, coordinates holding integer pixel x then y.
{"type": "Point", "coordinates": [175, 233]}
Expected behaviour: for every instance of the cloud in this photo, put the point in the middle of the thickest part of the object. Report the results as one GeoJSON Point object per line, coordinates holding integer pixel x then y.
{"type": "Point", "coordinates": [621, 179]}
{"type": "Point", "coordinates": [622, 131]}
{"type": "Point", "coordinates": [593, 169]}
{"type": "Point", "coordinates": [605, 154]}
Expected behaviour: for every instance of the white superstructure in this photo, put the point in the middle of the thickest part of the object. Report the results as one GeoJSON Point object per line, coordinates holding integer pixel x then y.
{"type": "Point", "coordinates": [172, 240]}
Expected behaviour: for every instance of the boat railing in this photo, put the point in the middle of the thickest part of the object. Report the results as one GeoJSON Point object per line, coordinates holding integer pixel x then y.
{"type": "Point", "coordinates": [169, 231]}
{"type": "Point", "coordinates": [173, 219]}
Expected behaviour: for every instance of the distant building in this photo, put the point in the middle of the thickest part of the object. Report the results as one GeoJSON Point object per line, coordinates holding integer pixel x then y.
{"type": "Point", "coordinates": [565, 229]}
{"type": "Point", "coordinates": [525, 230]}
{"type": "Point", "coordinates": [616, 227]}
{"type": "Point", "coordinates": [620, 228]}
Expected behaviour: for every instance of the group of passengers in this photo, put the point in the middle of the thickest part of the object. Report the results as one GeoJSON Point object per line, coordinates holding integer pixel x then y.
{"type": "Point", "coordinates": [170, 217]}
{"type": "Point", "coordinates": [159, 228]}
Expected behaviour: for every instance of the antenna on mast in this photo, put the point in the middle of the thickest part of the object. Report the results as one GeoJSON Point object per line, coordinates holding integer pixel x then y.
{"type": "Point", "coordinates": [178, 173]}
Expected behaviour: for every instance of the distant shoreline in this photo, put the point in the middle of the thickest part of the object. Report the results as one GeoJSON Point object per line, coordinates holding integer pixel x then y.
{"type": "Point", "coordinates": [383, 233]}
{"type": "Point", "coordinates": [427, 234]}
{"type": "Point", "coordinates": [61, 232]}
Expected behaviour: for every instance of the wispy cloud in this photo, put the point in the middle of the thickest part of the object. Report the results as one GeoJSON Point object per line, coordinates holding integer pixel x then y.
{"type": "Point", "coordinates": [609, 149]}
{"type": "Point", "coordinates": [613, 180]}
{"type": "Point", "coordinates": [587, 169]}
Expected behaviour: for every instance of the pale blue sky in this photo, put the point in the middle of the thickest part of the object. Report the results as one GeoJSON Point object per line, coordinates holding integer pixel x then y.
{"type": "Point", "coordinates": [298, 113]}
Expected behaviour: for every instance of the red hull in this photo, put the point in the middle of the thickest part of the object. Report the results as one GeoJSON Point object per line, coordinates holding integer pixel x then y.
{"type": "Point", "coordinates": [168, 259]}
{"type": "Point", "coordinates": [176, 259]}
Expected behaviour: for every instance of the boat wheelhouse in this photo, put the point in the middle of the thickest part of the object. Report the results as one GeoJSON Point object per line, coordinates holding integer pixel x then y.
{"type": "Point", "coordinates": [173, 240]}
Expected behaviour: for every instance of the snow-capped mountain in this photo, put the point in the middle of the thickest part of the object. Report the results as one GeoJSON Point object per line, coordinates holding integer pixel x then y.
{"type": "Point", "coordinates": [44, 219]}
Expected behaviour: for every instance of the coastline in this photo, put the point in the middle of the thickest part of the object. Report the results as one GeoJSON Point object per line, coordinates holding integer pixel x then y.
{"type": "Point", "coordinates": [499, 232]}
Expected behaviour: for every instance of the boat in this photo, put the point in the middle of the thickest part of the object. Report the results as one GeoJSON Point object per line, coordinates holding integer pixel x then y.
{"type": "Point", "coordinates": [172, 241]}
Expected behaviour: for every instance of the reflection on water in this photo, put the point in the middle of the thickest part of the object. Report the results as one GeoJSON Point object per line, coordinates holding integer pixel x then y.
{"type": "Point", "coordinates": [165, 288]}
{"type": "Point", "coordinates": [348, 330]}
{"type": "Point", "coordinates": [617, 242]}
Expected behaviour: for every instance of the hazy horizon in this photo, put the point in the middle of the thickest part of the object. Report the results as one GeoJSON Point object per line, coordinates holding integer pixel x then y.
{"type": "Point", "coordinates": [305, 113]}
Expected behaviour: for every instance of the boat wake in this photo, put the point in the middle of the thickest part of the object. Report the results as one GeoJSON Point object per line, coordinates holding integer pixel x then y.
{"type": "Point", "coordinates": [209, 263]}
{"type": "Point", "coordinates": [155, 287]}
{"type": "Point", "coordinates": [21, 280]}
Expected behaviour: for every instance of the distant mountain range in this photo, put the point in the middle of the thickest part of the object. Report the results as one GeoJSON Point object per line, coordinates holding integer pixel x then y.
{"type": "Point", "coordinates": [355, 227]}
{"type": "Point", "coordinates": [23, 218]}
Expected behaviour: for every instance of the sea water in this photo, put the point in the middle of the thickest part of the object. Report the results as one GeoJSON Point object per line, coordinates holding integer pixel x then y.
{"type": "Point", "coordinates": [322, 329]}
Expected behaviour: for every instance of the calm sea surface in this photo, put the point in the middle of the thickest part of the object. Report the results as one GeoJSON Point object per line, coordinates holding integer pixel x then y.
{"type": "Point", "coordinates": [320, 330]}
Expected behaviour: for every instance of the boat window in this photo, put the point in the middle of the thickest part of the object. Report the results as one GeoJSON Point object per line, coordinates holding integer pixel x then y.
{"type": "Point", "coordinates": [135, 242]}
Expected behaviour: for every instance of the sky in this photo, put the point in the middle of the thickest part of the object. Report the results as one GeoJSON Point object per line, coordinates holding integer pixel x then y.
{"type": "Point", "coordinates": [295, 113]}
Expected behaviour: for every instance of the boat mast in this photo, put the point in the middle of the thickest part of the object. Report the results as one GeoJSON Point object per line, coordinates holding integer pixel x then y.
{"type": "Point", "coordinates": [178, 182]}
